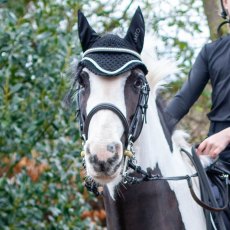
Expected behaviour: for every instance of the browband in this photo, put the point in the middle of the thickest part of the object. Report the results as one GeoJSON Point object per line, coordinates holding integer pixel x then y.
{"type": "Point", "coordinates": [111, 72]}
{"type": "Point", "coordinates": [111, 50]}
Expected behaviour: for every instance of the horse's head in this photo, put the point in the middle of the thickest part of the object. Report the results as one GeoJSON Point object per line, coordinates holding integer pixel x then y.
{"type": "Point", "coordinates": [112, 96]}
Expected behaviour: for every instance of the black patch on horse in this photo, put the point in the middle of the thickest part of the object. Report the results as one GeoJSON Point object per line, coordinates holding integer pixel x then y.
{"type": "Point", "coordinates": [149, 205]}
{"type": "Point", "coordinates": [165, 123]}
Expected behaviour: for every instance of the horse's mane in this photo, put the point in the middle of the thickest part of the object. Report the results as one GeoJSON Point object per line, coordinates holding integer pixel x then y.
{"type": "Point", "coordinates": [159, 70]}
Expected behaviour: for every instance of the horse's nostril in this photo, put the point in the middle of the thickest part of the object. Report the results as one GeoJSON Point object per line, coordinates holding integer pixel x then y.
{"type": "Point", "coordinates": [113, 147]}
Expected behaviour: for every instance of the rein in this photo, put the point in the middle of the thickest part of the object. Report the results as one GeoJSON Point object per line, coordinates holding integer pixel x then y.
{"type": "Point", "coordinates": [148, 176]}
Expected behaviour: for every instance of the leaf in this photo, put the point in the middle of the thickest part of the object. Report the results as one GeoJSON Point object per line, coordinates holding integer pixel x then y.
{"type": "Point", "coordinates": [16, 88]}
{"type": "Point", "coordinates": [43, 36]}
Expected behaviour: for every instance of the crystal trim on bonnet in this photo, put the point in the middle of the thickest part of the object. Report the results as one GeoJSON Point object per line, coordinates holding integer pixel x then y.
{"type": "Point", "coordinates": [110, 72]}
{"type": "Point", "coordinates": [111, 49]}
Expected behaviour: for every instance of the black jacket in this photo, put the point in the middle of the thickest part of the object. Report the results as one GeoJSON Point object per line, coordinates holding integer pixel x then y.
{"type": "Point", "coordinates": [212, 63]}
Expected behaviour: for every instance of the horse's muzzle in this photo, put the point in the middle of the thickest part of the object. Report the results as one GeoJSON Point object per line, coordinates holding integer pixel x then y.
{"type": "Point", "coordinates": [104, 161]}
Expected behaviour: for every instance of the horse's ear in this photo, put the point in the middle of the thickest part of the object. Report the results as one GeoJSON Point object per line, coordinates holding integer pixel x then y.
{"type": "Point", "coordinates": [136, 31]}
{"type": "Point", "coordinates": [86, 34]}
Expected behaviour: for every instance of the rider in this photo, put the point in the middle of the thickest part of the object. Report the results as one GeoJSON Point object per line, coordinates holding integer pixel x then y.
{"type": "Point", "coordinates": [212, 63]}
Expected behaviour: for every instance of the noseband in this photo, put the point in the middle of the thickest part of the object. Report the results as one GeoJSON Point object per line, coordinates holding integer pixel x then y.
{"type": "Point", "coordinates": [104, 106]}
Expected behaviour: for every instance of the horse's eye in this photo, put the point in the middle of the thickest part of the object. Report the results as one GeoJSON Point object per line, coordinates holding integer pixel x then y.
{"type": "Point", "coordinates": [138, 83]}
{"type": "Point", "coordinates": [82, 79]}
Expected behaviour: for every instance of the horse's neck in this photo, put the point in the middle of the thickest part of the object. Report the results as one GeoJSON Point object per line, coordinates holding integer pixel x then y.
{"type": "Point", "coordinates": [157, 204]}
{"type": "Point", "coordinates": [152, 145]}
{"type": "Point", "coordinates": [153, 150]}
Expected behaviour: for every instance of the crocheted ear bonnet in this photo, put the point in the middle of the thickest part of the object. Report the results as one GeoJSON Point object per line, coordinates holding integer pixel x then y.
{"type": "Point", "coordinates": [111, 55]}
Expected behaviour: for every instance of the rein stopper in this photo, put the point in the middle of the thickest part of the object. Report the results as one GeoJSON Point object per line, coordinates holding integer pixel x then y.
{"type": "Point", "coordinates": [128, 153]}
{"type": "Point", "coordinates": [82, 153]}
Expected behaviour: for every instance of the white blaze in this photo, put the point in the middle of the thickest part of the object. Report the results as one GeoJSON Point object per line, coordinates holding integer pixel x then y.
{"type": "Point", "coordinates": [105, 127]}
{"type": "Point", "coordinates": [105, 124]}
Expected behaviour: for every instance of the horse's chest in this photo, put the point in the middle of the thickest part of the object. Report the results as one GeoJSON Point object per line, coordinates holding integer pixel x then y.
{"type": "Point", "coordinates": [149, 205]}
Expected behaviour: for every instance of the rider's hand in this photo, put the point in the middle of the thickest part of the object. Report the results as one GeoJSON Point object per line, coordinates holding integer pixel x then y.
{"type": "Point", "coordinates": [214, 144]}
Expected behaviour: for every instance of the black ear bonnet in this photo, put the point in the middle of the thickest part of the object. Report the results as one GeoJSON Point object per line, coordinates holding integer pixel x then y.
{"type": "Point", "coordinates": [111, 55]}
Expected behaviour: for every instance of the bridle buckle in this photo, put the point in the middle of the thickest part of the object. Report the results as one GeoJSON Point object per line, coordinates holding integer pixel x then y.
{"type": "Point", "coordinates": [128, 154]}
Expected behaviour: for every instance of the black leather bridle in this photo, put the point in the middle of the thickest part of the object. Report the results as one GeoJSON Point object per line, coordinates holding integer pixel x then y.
{"type": "Point", "coordinates": [132, 130]}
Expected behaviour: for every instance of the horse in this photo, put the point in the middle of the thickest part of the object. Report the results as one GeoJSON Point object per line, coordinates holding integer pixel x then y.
{"type": "Point", "coordinates": [120, 119]}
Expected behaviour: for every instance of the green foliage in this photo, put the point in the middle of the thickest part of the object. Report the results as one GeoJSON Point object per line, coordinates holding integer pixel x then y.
{"type": "Point", "coordinates": [53, 202]}
{"type": "Point", "coordinates": [38, 40]}
{"type": "Point", "coordinates": [34, 53]}
{"type": "Point", "coordinates": [182, 27]}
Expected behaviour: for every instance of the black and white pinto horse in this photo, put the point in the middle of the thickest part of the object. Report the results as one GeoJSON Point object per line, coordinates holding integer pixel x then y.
{"type": "Point", "coordinates": [112, 109]}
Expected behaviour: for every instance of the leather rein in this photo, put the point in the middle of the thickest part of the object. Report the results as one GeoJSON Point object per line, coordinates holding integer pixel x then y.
{"type": "Point", "coordinates": [211, 204]}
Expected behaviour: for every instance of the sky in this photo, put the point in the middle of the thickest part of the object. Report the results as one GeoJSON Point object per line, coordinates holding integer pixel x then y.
{"type": "Point", "coordinates": [168, 15]}
{"type": "Point", "coordinates": [162, 8]}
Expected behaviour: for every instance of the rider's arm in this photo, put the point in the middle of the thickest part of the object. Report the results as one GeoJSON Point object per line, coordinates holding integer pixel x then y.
{"type": "Point", "coordinates": [215, 144]}
{"type": "Point", "coordinates": [179, 106]}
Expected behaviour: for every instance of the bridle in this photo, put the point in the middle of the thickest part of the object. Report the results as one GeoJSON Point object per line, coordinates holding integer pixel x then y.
{"type": "Point", "coordinates": [132, 129]}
